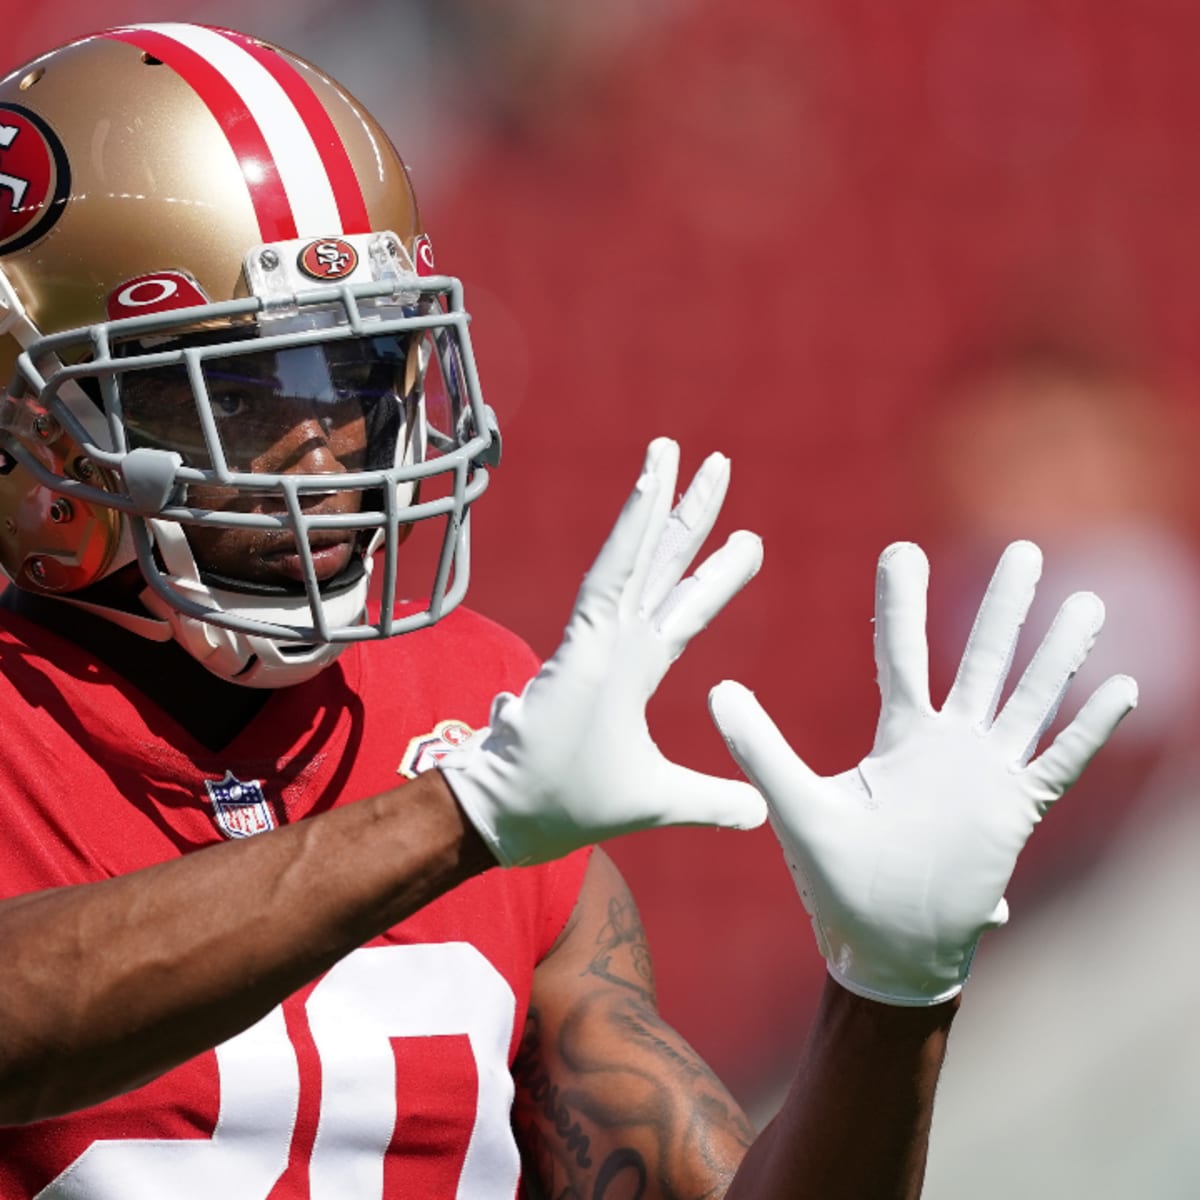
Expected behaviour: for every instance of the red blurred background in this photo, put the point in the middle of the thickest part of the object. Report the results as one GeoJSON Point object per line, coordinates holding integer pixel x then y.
{"type": "Point", "coordinates": [923, 271]}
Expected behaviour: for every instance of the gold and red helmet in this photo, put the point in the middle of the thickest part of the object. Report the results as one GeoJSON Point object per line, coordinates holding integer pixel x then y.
{"type": "Point", "coordinates": [207, 244]}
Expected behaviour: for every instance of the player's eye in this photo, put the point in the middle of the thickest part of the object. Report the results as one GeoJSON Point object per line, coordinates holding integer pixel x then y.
{"type": "Point", "coordinates": [365, 382]}
{"type": "Point", "coordinates": [232, 403]}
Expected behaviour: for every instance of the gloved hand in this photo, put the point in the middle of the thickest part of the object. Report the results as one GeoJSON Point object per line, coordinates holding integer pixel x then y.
{"type": "Point", "coordinates": [570, 761]}
{"type": "Point", "coordinates": [902, 862]}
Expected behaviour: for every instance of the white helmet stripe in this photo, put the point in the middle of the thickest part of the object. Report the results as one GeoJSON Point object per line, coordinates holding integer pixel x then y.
{"type": "Point", "coordinates": [289, 141]}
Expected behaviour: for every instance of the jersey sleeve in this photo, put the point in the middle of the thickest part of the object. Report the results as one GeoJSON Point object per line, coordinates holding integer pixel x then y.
{"type": "Point", "coordinates": [563, 880]}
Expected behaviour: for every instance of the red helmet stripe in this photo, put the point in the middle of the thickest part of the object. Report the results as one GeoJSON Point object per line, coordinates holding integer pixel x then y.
{"type": "Point", "coordinates": [347, 191]}
{"type": "Point", "coordinates": [276, 221]}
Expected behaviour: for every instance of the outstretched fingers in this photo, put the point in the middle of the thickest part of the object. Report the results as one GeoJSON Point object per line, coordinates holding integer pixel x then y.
{"type": "Point", "coordinates": [993, 639]}
{"type": "Point", "coordinates": [901, 649]}
{"type": "Point", "coordinates": [629, 546]}
{"type": "Point", "coordinates": [1064, 760]}
{"type": "Point", "coordinates": [714, 583]}
{"type": "Point", "coordinates": [1036, 698]}
{"type": "Point", "coordinates": [682, 535]}
{"type": "Point", "coordinates": [662, 464]}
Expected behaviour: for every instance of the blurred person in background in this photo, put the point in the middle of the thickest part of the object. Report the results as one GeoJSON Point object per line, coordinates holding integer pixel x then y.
{"type": "Point", "coordinates": [237, 383]}
{"type": "Point", "coordinates": [1083, 1026]}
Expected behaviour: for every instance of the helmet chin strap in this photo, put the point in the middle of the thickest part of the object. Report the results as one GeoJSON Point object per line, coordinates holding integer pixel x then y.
{"type": "Point", "coordinates": [251, 660]}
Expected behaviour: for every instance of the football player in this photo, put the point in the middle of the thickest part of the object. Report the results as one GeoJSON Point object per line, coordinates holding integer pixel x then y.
{"type": "Point", "coordinates": [300, 844]}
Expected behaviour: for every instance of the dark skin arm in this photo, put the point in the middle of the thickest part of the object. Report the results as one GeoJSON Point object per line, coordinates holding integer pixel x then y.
{"type": "Point", "coordinates": [856, 1120]}
{"type": "Point", "coordinates": [610, 1099]}
{"type": "Point", "coordinates": [155, 978]}
{"type": "Point", "coordinates": [612, 1102]}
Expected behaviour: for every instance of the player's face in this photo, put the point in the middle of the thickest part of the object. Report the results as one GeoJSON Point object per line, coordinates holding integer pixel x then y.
{"type": "Point", "coordinates": [303, 410]}
{"type": "Point", "coordinates": [302, 437]}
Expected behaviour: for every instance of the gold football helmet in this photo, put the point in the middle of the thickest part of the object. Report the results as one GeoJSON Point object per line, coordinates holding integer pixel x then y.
{"type": "Point", "coordinates": [230, 359]}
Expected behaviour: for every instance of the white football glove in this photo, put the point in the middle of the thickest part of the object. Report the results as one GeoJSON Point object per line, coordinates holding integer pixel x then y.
{"type": "Point", "coordinates": [902, 862]}
{"type": "Point", "coordinates": [570, 761]}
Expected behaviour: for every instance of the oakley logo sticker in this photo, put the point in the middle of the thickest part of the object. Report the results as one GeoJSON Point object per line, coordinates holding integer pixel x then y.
{"type": "Point", "coordinates": [163, 292]}
{"type": "Point", "coordinates": [423, 253]}
{"type": "Point", "coordinates": [35, 178]}
{"type": "Point", "coordinates": [328, 259]}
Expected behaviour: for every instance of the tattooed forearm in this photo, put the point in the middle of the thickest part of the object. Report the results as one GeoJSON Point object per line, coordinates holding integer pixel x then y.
{"type": "Point", "coordinates": [657, 1055]}
{"type": "Point", "coordinates": [677, 1053]}
{"type": "Point", "coordinates": [622, 1174]}
{"type": "Point", "coordinates": [647, 1029]}
{"type": "Point", "coordinates": [623, 955]}
{"type": "Point", "coordinates": [637, 1086]}
{"type": "Point", "coordinates": [533, 1078]}
{"type": "Point", "coordinates": [543, 1177]}
{"type": "Point", "coordinates": [611, 1103]}
{"type": "Point", "coordinates": [556, 1151]}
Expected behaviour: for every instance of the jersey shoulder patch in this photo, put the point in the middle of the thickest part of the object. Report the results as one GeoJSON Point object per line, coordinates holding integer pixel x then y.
{"type": "Point", "coordinates": [428, 749]}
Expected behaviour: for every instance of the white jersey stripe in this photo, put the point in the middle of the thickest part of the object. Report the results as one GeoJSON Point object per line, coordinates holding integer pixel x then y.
{"type": "Point", "coordinates": [296, 155]}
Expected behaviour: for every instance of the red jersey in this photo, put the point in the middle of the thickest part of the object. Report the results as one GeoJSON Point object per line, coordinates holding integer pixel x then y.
{"type": "Point", "coordinates": [390, 1075]}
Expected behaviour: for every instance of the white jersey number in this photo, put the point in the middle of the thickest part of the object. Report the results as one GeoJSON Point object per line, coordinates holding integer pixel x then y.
{"type": "Point", "coordinates": [368, 998]}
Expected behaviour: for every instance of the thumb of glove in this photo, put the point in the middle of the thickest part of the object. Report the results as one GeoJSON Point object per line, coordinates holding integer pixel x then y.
{"type": "Point", "coordinates": [760, 749]}
{"type": "Point", "coordinates": [696, 798]}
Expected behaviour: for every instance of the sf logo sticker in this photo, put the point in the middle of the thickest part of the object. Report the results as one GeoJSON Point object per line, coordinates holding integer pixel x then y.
{"type": "Point", "coordinates": [328, 259]}
{"type": "Point", "coordinates": [35, 178]}
{"type": "Point", "coordinates": [430, 748]}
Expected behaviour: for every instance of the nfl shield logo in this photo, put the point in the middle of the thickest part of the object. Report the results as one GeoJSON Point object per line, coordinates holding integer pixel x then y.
{"type": "Point", "coordinates": [240, 809]}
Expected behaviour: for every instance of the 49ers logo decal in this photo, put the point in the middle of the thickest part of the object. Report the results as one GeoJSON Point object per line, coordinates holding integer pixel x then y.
{"type": "Point", "coordinates": [430, 748]}
{"type": "Point", "coordinates": [330, 258]}
{"type": "Point", "coordinates": [35, 178]}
